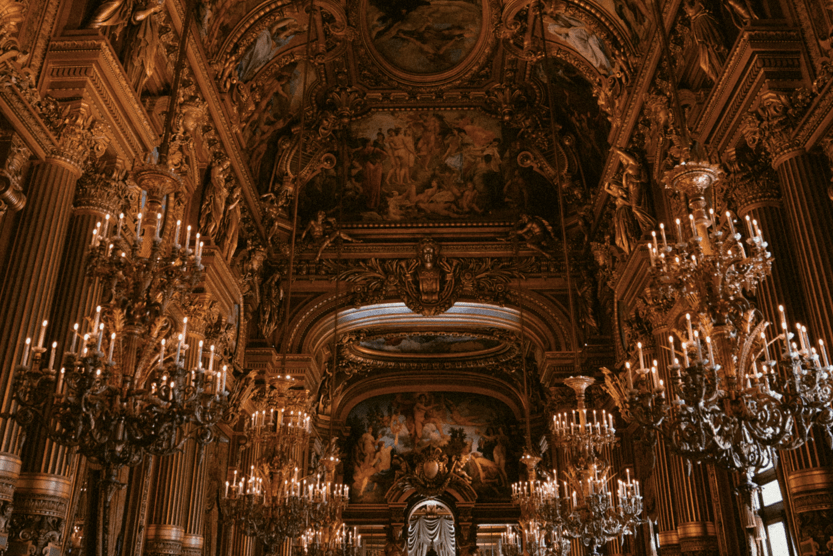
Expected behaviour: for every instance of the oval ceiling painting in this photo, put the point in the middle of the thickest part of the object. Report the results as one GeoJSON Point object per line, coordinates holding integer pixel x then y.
{"type": "Point", "coordinates": [425, 36]}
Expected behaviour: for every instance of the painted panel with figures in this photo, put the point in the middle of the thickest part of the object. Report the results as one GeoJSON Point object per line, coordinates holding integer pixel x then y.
{"type": "Point", "coordinates": [387, 432]}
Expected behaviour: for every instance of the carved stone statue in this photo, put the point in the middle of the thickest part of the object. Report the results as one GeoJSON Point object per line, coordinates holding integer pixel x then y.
{"type": "Point", "coordinates": [324, 230]}
{"type": "Point", "coordinates": [271, 305]}
{"type": "Point", "coordinates": [140, 59]}
{"type": "Point", "coordinates": [214, 201]}
{"type": "Point", "coordinates": [537, 233]}
{"type": "Point", "coordinates": [230, 226]}
{"type": "Point", "coordinates": [741, 11]}
{"type": "Point", "coordinates": [427, 274]}
{"type": "Point", "coordinates": [707, 37]}
{"type": "Point", "coordinates": [630, 219]}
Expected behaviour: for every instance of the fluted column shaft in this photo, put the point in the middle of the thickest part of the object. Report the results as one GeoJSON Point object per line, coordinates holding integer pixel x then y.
{"type": "Point", "coordinates": [689, 495]}
{"type": "Point", "coordinates": [166, 524]}
{"type": "Point", "coordinates": [801, 281]}
{"type": "Point", "coordinates": [804, 187]}
{"type": "Point", "coordinates": [28, 290]}
{"type": "Point", "coordinates": [195, 518]}
{"type": "Point", "coordinates": [45, 462]}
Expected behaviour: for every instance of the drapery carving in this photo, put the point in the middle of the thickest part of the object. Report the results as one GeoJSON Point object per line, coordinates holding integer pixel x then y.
{"type": "Point", "coordinates": [431, 532]}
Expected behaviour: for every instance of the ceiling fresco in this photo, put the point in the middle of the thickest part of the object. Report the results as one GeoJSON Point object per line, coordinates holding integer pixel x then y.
{"type": "Point", "coordinates": [387, 434]}
{"type": "Point", "coordinates": [437, 165]}
{"type": "Point", "coordinates": [421, 36]}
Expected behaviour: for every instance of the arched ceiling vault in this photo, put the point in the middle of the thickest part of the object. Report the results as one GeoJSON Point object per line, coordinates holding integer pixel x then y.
{"type": "Point", "coordinates": [545, 322]}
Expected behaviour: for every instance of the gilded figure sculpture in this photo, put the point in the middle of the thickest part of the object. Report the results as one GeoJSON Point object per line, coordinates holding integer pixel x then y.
{"type": "Point", "coordinates": [324, 230]}
{"type": "Point", "coordinates": [707, 37]}
{"type": "Point", "coordinates": [214, 201]}
{"type": "Point", "coordinates": [230, 226]}
{"type": "Point", "coordinates": [536, 233]}
{"type": "Point", "coordinates": [630, 219]}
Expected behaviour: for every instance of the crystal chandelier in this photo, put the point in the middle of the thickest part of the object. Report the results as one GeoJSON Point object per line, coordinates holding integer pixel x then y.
{"type": "Point", "coordinates": [119, 394]}
{"type": "Point", "coordinates": [340, 542]}
{"type": "Point", "coordinates": [273, 503]}
{"type": "Point", "coordinates": [741, 389]}
{"type": "Point", "coordinates": [583, 506]}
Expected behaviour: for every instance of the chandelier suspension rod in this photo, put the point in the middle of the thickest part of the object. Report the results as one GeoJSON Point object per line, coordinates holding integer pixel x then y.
{"type": "Point", "coordinates": [562, 210]}
{"type": "Point", "coordinates": [672, 77]}
{"type": "Point", "coordinates": [173, 103]}
{"type": "Point", "coordinates": [294, 232]}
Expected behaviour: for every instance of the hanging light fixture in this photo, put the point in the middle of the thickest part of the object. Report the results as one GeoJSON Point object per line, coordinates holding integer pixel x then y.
{"type": "Point", "coordinates": [123, 390]}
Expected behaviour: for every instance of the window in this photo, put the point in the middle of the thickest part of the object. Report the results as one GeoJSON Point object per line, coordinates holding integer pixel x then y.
{"type": "Point", "coordinates": [771, 503]}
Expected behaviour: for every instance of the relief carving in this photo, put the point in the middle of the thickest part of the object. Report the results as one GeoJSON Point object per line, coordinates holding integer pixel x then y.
{"type": "Point", "coordinates": [430, 284]}
{"type": "Point", "coordinates": [12, 171]}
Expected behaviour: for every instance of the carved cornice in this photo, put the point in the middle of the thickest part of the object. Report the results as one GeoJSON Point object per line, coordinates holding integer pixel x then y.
{"type": "Point", "coordinates": [83, 63]}
{"type": "Point", "coordinates": [773, 120]}
{"type": "Point", "coordinates": [762, 57]}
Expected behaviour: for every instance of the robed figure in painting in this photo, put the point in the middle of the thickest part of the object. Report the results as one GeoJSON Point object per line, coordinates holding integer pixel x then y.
{"type": "Point", "coordinates": [371, 159]}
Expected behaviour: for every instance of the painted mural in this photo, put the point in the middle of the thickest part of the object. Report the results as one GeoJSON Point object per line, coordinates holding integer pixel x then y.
{"type": "Point", "coordinates": [273, 114]}
{"type": "Point", "coordinates": [429, 344]}
{"type": "Point", "coordinates": [579, 114]}
{"type": "Point", "coordinates": [429, 165]}
{"type": "Point", "coordinates": [424, 36]}
{"type": "Point", "coordinates": [574, 32]}
{"type": "Point", "coordinates": [387, 431]}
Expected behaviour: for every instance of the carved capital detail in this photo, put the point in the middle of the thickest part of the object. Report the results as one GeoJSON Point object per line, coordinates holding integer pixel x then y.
{"type": "Point", "coordinates": [773, 121]}
{"type": "Point", "coordinates": [103, 192]}
{"type": "Point", "coordinates": [12, 170]}
{"type": "Point", "coordinates": [749, 181]}
{"type": "Point", "coordinates": [37, 522]}
{"type": "Point", "coordinates": [161, 547]}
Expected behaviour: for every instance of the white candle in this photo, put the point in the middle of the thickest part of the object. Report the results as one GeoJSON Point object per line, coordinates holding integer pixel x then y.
{"type": "Point", "coordinates": [158, 225]}
{"type": "Point", "coordinates": [693, 225]}
{"type": "Point", "coordinates": [139, 227]}
{"type": "Point", "coordinates": [106, 225]}
{"type": "Point", "coordinates": [184, 327]}
{"type": "Point", "coordinates": [679, 230]}
{"type": "Point", "coordinates": [42, 333]}
{"type": "Point", "coordinates": [730, 223]}
{"type": "Point", "coordinates": [641, 359]}
{"type": "Point", "coordinates": [711, 353]}
{"type": "Point", "coordinates": [699, 345]}
{"type": "Point", "coordinates": [60, 381]}
{"type": "Point", "coordinates": [662, 231]}
{"type": "Point", "coordinates": [749, 226]}
{"type": "Point", "coordinates": [688, 323]}
{"type": "Point", "coordinates": [118, 228]}
{"type": "Point", "coordinates": [223, 384]}
{"type": "Point", "coordinates": [100, 336]}
{"type": "Point", "coordinates": [197, 245]}
{"type": "Point", "coordinates": [654, 236]}
{"type": "Point", "coordinates": [211, 359]}
{"type": "Point", "coordinates": [199, 354]}
{"type": "Point", "coordinates": [97, 318]}
{"type": "Point", "coordinates": [199, 255]}
{"type": "Point", "coordinates": [74, 337]}
{"type": "Point", "coordinates": [187, 239]}
{"type": "Point", "coordinates": [94, 242]}
{"type": "Point", "coordinates": [176, 234]}
{"type": "Point", "coordinates": [766, 346]}
{"type": "Point", "coordinates": [52, 356]}
{"type": "Point", "coordinates": [178, 349]}
{"type": "Point", "coordinates": [824, 353]}
{"type": "Point", "coordinates": [112, 347]}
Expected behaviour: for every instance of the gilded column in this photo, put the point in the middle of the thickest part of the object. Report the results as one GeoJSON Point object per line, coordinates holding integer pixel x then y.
{"type": "Point", "coordinates": [192, 544]}
{"type": "Point", "coordinates": [29, 285]}
{"type": "Point", "coordinates": [165, 530]}
{"type": "Point", "coordinates": [47, 465]}
{"type": "Point", "coordinates": [809, 217]}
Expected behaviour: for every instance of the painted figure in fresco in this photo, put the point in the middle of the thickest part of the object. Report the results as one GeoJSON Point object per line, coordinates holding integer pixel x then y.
{"type": "Point", "coordinates": [631, 220]}
{"type": "Point", "coordinates": [324, 230]}
{"type": "Point", "coordinates": [266, 46]}
{"type": "Point", "coordinates": [575, 33]}
{"type": "Point", "coordinates": [371, 157]}
{"type": "Point", "coordinates": [706, 32]}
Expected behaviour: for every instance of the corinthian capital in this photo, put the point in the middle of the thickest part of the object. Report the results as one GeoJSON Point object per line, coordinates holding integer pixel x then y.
{"type": "Point", "coordinates": [104, 192]}
{"type": "Point", "coordinates": [79, 136]}
{"type": "Point", "coordinates": [772, 122]}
